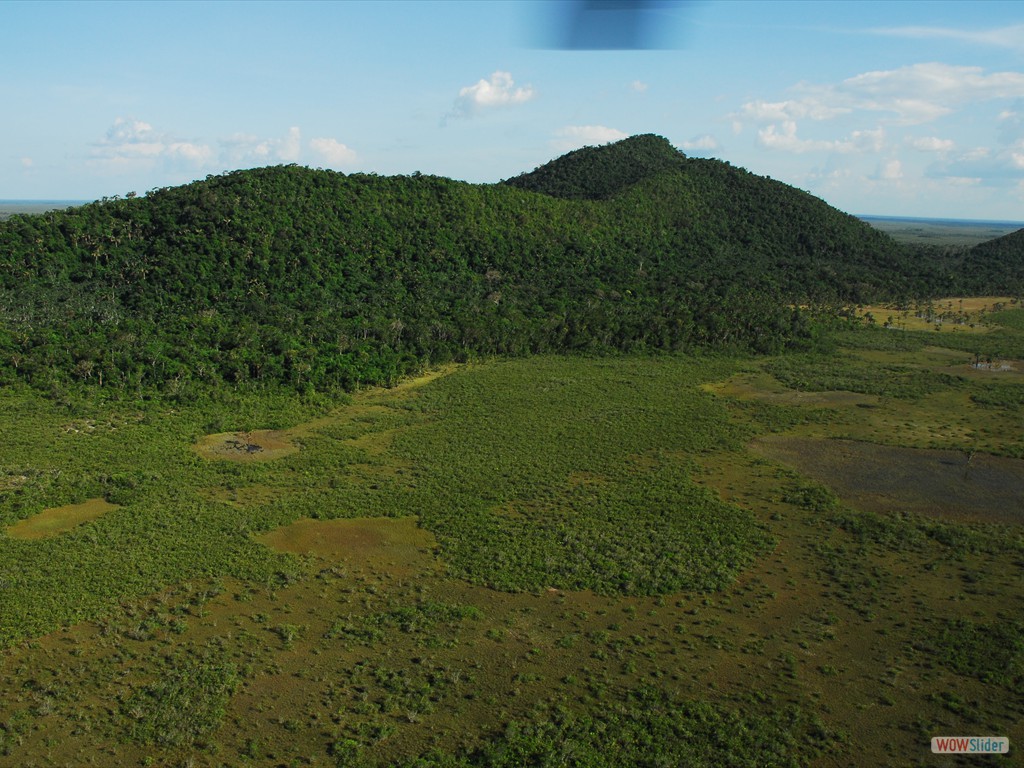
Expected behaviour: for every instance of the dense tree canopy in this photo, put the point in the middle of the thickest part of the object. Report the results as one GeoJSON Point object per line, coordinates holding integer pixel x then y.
{"type": "Point", "coordinates": [312, 278]}
{"type": "Point", "coordinates": [997, 262]}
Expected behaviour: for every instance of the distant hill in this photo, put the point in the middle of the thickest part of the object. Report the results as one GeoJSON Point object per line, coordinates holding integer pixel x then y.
{"type": "Point", "coordinates": [597, 173]}
{"type": "Point", "coordinates": [998, 262]}
{"type": "Point", "coordinates": [286, 275]}
{"type": "Point", "coordinates": [733, 223]}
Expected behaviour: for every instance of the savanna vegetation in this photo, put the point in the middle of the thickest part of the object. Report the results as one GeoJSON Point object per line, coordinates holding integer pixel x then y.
{"type": "Point", "coordinates": [218, 547]}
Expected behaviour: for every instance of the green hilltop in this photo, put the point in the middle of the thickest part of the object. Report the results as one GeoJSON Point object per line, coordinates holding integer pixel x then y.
{"type": "Point", "coordinates": [598, 173]}
{"type": "Point", "coordinates": [311, 278]}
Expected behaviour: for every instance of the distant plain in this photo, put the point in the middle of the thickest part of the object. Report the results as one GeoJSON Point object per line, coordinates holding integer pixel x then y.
{"type": "Point", "coordinates": [942, 232]}
{"type": "Point", "coordinates": [9, 208]}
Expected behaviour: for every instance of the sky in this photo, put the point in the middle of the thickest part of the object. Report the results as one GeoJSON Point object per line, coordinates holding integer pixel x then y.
{"type": "Point", "coordinates": [880, 108]}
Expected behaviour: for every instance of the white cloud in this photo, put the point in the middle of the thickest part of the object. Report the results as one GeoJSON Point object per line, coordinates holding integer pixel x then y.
{"type": "Point", "coordinates": [575, 136]}
{"type": "Point", "coordinates": [910, 95]}
{"type": "Point", "coordinates": [291, 146]}
{"type": "Point", "coordinates": [1011, 124]}
{"type": "Point", "coordinates": [792, 109]}
{"type": "Point", "coordinates": [864, 141]}
{"type": "Point", "coordinates": [128, 138]}
{"type": "Point", "coordinates": [239, 145]}
{"type": "Point", "coordinates": [333, 151]}
{"type": "Point", "coordinates": [785, 139]}
{"type": "Point", "coordinates": [132, 144]}
{"type": "Point", "coordinates": [27, 162]}
{"type": "Point", "coordinates": [591, 134]}
{"type": "Point", "coordinates": [127, 131]}
{"type": "Point", "coordinates": [930, 143]}
{"type": "Point", "coordinates": [991, 167]}
{"type": "Point", "coordinates": [964, 181]}
{"type": "Point", "coordinates": [242, 149]}
{"type": "Point", "coordinates": [920, 93]}
{"type": "Point", "coordinates": [499, 91]}
{"type": "Point", "coordinates": [701, 142]}
{"type": "Point", "coordinates": [1000, 37]}
{"type": "Point", "coordinates": [638, 86]}
{"type": "Point", "coordinates": [193, 153]}
{"type": "Point", "coordinates": [891, 170]}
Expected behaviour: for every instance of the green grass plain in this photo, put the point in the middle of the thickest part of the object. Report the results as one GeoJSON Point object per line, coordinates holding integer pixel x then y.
{"type": "Point", "coordinates": [549, 561]}
{"type": "Point", "coordinates": [941, 232]}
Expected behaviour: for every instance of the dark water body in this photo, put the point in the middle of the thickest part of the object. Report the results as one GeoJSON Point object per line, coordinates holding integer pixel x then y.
{"type": "Point", "coordinates": [882, 478]}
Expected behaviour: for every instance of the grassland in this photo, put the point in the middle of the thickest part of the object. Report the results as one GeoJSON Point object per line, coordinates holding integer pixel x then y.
{"type": "Point", "coordinates": [949, 315]}
{"type": "Point", "coordinates": [552, 561]}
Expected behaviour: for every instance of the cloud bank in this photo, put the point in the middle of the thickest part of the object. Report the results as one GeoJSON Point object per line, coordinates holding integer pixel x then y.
{"type": "Point", "coordinates": [911, 95]}
{"type": "Point", "coordinates": [333, 152]}
{"type": "Point", "coordinates": [131, 145]}
{"type": "Point", "coordinates": [575, 136]}
{"type": "Point", "coordinates": [1000, 37]}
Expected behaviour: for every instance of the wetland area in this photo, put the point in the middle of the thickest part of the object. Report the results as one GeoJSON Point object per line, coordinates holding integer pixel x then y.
{"type": "Point", "coordinates": [810, 559]}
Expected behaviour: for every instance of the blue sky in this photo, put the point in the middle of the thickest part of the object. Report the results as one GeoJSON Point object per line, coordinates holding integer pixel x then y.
{"type": "Point", "coordinates": [887, 108]}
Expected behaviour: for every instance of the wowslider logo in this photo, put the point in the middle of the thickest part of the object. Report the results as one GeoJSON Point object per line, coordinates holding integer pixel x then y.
{"type": "Point", "coordinates": [970, 745]}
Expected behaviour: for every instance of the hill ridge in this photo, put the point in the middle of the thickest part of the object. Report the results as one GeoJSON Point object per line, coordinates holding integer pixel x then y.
{"type": "Point", "coordinates": [312, 278]}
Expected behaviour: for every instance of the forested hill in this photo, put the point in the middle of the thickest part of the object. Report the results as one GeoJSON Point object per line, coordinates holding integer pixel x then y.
{"type": "Point", "coordinates": [998, 262]}
{"type": "Point", "coordinates": [320, 279]}
{"type": "Point", "coordinates": [597, 173]}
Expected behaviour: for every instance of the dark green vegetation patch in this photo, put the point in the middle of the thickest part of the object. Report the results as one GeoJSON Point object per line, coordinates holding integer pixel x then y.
{"type": "Point", "coordinates": [1008, 318]}
{"type": "Point", "coordinates": [992, 653]}
{"type": "Point", "coordinates": [650, 728]}
{"type": "Point", "coordinates": [548, 472]}
{"type": "Point", "coordinates": [185, 704]}
{"type": "Point", "coordinates": [820, 373]}
{"type": "Point", "coordinates": [575, 474]}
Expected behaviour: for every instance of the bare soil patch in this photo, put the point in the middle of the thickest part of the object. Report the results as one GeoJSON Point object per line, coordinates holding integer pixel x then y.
{"type": "Point", "coordinates": [56, 520]}
{"type": "Point", "coordinates": [880, 478]}
{"type": "Point", "coordinates": [270, 444]}
{"type": "Point", "coordinates": [577, 479]}
{"type": "Point", "coordinates": [259, 445]}
{"type": "Point", "coordinates": [365, 540]}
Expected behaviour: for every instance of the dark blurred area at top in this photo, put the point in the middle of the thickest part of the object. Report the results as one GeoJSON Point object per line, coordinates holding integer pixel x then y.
{"type": "Point", "coordinates": [583, 25]}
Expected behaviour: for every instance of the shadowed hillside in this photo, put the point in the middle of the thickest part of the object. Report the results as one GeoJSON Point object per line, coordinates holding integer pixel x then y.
{"type": "Point", "coordinates": [997, 262]}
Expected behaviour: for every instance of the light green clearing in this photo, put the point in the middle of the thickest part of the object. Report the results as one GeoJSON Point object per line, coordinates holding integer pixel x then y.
{"type": "Point", "coordinates": [56, 520]}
